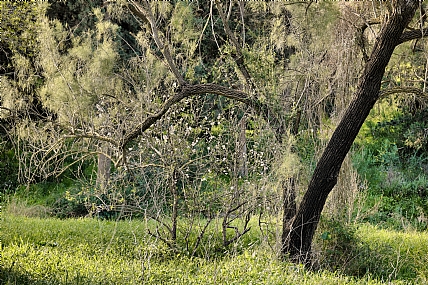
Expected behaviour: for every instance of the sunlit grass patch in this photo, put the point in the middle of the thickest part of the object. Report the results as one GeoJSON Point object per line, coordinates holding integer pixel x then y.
{"type": "Point", "coordinates": [395, 255]}
{"type": "Point", "coordinates": [90, 251]}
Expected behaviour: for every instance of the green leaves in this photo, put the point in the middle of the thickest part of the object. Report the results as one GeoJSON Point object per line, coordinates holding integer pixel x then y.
{"type": "Point", "coordinates": [19, 25]}
{"type": "Point", "coordinates": [183, 27]}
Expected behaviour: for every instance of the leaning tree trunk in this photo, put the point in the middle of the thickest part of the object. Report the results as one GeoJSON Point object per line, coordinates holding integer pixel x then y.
{"type": "Point", "coordinates": [298, 244]}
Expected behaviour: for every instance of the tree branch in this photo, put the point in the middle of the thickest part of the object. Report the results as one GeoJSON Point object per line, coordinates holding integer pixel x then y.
{"type": "Point", "coordinates": [360, 36]}
{"type": "Point", "coordinates": [209, 88]}
{"type": "Point", "coordinates": [93, 136]}
{"type": "Point", "coordinates": [200, 236]}
{"type": "Point", "coordinates": [423, 96]}
{"type": "Point", "coordinates": [413, 35]}
{"type": "Point", "coordinates": [145, 14]}
{"type": "Point", "coordinates": [238, 57]}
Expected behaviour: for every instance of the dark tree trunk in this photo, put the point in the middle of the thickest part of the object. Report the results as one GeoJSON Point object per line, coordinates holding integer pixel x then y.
{"type": "Point", "coordinates": [324, 178]}
{"type": "Point", "coordinates": [289, 207]}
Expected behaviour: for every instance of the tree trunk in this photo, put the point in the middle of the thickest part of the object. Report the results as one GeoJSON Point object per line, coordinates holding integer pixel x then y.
{"type": "Point", "coordinates": [324, 178]}
{"type": "Point", "coordinates": [289, 207]}
{"type": "Point", "coordinates": [241, 165]}
{"type": "Point", "coordinates": [104, 168]}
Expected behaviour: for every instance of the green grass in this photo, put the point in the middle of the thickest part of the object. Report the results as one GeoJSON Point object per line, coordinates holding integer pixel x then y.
{"type": "Point", "coordinates": [393, 254]}
{"type": "Point", "coordinates": [90, 251]}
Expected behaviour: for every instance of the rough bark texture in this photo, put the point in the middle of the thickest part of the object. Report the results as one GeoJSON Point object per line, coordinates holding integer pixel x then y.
{"type": "Point", "coordinates": [325, 175]}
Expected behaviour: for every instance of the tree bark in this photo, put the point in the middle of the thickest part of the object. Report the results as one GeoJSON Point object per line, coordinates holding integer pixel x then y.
{"type": "Point", "coordinates": [298, 245]}
{"type": "Point", "coordinates": [241, 164]}
{"type": "Point", "coordinates": [104, 168]}
{"type": "Point", "coordinates": [208, 88]}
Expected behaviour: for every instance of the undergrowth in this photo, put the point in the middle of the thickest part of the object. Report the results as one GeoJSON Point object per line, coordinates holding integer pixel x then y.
{"type": "Point", "coordinates": [394, 167]}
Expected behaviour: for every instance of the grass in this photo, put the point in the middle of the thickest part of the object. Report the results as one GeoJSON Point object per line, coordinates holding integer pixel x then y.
{"type": "Point", "coordinates": [394, 254]}
{"type": "Point", "coordinates": [90, 251]}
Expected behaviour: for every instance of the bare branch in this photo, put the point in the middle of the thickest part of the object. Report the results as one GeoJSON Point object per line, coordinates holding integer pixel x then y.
{"type": "Point", "coordinates": [7, 109]}
{"type": "Point", "coordinates": [157, 235]}
{"type": "Point", "coordinates": [145, 14]}
{"type": "Point", "coordinates": [226, 225]}
{"type": "Point", "coordinates": [199, 238]}
{"type": "Point", "coordinates": [238, 57]}
{"type": "Point", "coordinates": [237, 236]}
{"type": "Point", "coordinates": [413, 90]}
{"type": "Point", "coordinates": [94, 136]}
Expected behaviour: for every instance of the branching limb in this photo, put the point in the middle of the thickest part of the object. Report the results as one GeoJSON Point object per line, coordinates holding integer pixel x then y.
{"type": "Point", "coordinates": [144, 12]}
{"type": "Point", "coordinates": [238, 57]}
{"type": "Point", "coordinates": [93, 136]}
{"type": "Point", "coordinates": [226, 224]}
{"type": "Point", "coordinates": [423, 96]}
{"type": "Point", "coordinates": [158, 235]}
{"type": "Point", "coordinates": [200, 236]}
{"type": "Point", "coordinates": [197, 89]}
{"type": "Point", "coordinates": [7, 109]}
{"type": "Point", "coordinates": [361, 42]}
{"type": "Point", "coordinates": [413, 35]}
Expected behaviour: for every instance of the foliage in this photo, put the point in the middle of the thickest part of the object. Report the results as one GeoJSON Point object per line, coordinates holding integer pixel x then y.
{"type": "Point", "coordinates": [393, 254]}
{"type": "Point", "coordinates": [91, 74]}
{"type": "Point", "coordinates": [8, 169]}
{"type": "Point", "coordinates": [339, 245]}
{"type": "Point", "coordinates": [393, 166]}
{"type": "Point", "coordinates": [18, 19]}
{"type": "Point", "coordinates": [361, 250]}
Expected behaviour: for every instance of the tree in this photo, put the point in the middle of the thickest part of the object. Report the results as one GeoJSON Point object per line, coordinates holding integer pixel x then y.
{"type": "Point", "coordinates": [18, 79]}
{"type": "Point", "coordinates": [325, 175]}
{"type": "Point", "coordinates": [154, 119]}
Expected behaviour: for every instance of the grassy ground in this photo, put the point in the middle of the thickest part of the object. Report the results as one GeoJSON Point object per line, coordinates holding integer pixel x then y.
{"type": "Point", "coordinates": [90, 251]}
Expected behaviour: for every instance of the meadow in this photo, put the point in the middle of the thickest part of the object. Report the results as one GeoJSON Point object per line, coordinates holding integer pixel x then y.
{"type": "Point", "coordinates": [93, 251]}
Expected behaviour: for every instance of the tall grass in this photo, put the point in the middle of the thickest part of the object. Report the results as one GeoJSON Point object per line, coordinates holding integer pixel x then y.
{"type": "Point", "coordinates": [394, 255]}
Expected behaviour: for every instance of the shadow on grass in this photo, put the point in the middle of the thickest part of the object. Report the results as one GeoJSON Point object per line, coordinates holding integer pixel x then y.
{"type": "Point", "coordinates": [16, 277]}
{"type": "Point", "coordinates": [10, 276]}
{"type": "Point", "coordinates": [344, 251]}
